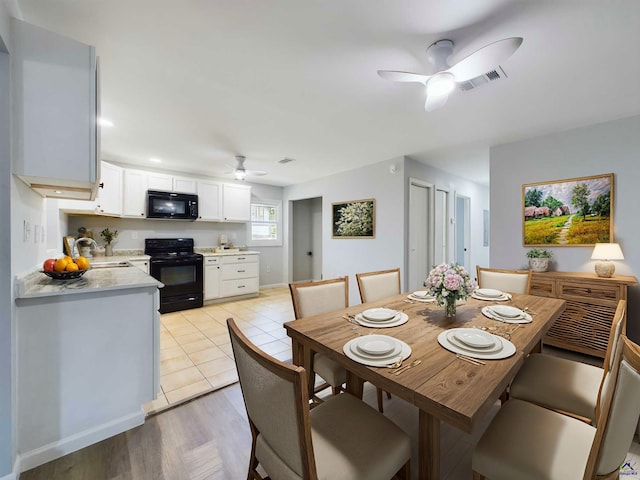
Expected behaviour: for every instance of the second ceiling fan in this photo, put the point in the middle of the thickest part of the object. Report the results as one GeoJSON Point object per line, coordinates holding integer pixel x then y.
{"type": "Point", "coordinates": [441, 83]}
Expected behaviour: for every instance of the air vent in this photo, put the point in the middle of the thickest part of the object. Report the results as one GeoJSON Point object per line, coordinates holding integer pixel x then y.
{"type": "Point", "coordinates": [286, 160]}
{"type": "Point", "coordinates": [476, 82]}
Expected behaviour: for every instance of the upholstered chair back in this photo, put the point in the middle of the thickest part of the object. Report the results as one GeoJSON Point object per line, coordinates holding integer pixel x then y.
{"type": "Point", "coordinates": [378, 285]}
{"type": "Point", "coordinates": [512, 281]}
{"type": "Point", "coordinates": [314, 298]}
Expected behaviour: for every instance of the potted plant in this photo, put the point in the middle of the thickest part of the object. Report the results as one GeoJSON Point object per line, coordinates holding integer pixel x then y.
{"type": "Point", "coordinates": [539, 259]}
{"type": "Point", "coordinates": [108, 236]}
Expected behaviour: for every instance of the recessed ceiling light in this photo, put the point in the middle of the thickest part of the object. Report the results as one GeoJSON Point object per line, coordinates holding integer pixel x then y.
{"type": "Point", "coordinates": [105, 122]}
{"type": "Point", "coordinates": [155, 160]}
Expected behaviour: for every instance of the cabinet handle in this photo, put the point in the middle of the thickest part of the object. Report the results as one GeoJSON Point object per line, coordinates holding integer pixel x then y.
{"type": "Point", "coordinates": [101, 184]}
{"type": "Point", "coordinates": [242, 286]}
{"type": "Point", "coordinates": [240, 271]}
{"type": "Point", "coordinates": [241, 258]}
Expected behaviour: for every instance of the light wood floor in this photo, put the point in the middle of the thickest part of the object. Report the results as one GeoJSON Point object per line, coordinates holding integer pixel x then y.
{"type": "Point", "coordinates": [208, 437]}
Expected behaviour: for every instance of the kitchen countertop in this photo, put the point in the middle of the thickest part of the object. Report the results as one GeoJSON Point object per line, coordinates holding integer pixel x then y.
{"type": "Point", "coordinates": [208, 252]}
{"type": "Point", "coordinates": [37, 284]}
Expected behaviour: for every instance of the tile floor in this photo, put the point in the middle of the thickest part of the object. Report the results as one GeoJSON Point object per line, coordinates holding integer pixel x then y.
{"type": "Point", "coordinates": [195, 350]}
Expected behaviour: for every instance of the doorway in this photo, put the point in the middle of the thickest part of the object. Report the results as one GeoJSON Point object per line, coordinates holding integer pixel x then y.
{"type": "Point", "coordinates": [463, 227]}
{"type": "Point", "coordinates": [306, 239]}
{"type": "Point", "coordinates": [420, 233]}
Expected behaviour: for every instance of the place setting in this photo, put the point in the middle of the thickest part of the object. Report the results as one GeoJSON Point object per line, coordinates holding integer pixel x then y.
{"type": "Point", "coordinates": [421, 296]}
{"type": "Point", "coordinates": [490, 294]}
{"type": "Point", "coordinates": [381, 318]}
{"type": "Point", "coordinates": [506, 314]}
{"type": "Point", "coordinates": [377, 350]}
{"type": "Point", "coordinates": [474, 345]}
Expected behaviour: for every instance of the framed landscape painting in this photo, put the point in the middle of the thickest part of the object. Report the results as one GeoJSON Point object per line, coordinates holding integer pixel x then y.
{"type": "Point", "coordinates": [354, 219]}
{"type": "Point", "coordinates": [574, 212]}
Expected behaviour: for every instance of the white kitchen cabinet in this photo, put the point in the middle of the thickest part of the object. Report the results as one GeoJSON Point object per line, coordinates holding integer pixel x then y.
{"type": "Point", "coordinates": [211, 277]}
{"type": "Point", "coordinates": [185, 185]}
{"type": "Point", "coordinates": [159, 181]}
{"type": "Point", "coordinates": [239, 275]}
{"type": "Point", "coordinates": [210, 200]}
{"type": "Point", "coordinates": [135, 193]}
{"type": "Point", "coordinates": [54, 113]}
{"type": "Point", "coordinates": [109, 199]}
{"type": "Point", "coordinates": [141, 264]}
{"type": "Point", "coordinates": [236, 202]}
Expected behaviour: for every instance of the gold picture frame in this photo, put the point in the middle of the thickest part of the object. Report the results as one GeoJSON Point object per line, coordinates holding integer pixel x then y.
{"type": "Point", "coordinates": [354, 219]}
{"type": "Point", "coordinates": [568, 213]}
{"type": "Point", "coordinates": [69, 243]}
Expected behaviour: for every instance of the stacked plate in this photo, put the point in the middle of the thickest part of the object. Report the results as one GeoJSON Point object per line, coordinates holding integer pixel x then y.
{"type": "Point", "coordinates": [506, 314]}
{"type": "Point", "coordinates": [381, 318]}
{"type": "Point", "coordinates": [476, 343]}
{"type": "Point", "coordinates": [490, 294]}
{"type": "Point", "coordinates": [376, 350]}
{"type": "Point", "coordinates": [421, 296]}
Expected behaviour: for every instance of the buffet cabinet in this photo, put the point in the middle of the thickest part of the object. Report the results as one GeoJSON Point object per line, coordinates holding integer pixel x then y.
{"type": "Point", "coordinates": [591, 302]}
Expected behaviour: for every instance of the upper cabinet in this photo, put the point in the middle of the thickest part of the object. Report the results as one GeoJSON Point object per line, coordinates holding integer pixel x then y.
{"type": "Point", "coordinates": [55, 108]}
{"type": "Point", "coordinates": [135, 193]}
{"type": "Point", "coordinates": [159, 181]}
{"type": "Point", "coordinates": [109, 199]}
{"type": "Point", "coordinates": [209, 200]}
{"type": "Point", "coordinates": [236, 202]}
{"type": "Point", "coordinates": [185, 185]}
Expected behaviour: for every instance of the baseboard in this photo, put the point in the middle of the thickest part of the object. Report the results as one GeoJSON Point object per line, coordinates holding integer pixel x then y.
{"type": "Point", "coordinates": [15, 474]}
{"type": "Point", "coordinates": [275, 285]}
{"type": "Point", "coordinates": [62, 447]}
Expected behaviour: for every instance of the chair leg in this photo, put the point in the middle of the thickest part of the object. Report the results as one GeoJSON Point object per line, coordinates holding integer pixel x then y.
{"type": "Point", "coordinates": [404, 473]}
{"type": "Point", "coordinates": [504, 397]}
{"type": "Point", "coordinates": [388, 395]}
{"type": "Point", "coordinates": [379, 397]}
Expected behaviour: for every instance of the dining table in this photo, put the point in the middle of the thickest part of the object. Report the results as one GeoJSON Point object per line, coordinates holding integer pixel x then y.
{"type": "Point", "coordinates": [444, 386]}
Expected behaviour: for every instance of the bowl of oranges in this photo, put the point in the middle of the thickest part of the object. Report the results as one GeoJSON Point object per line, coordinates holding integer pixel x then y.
{"type": "Point", "coordinates": [65, 268]}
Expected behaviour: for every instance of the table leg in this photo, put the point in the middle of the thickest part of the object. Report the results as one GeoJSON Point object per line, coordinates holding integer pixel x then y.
{"type": "Point", "coordinates": [302, 356]}
{"type": "Point", "coordinates": [355, 385]}
{"type": "Point", "coordinates": [428, 447]}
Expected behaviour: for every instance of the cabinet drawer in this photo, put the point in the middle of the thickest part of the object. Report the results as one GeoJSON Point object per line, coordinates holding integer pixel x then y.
{"type": "Point", "coordinates": [589, 292]}
{"type": "Point", "coordinates": [239, 287]}
{"type": "Point", "coordinates": [211, 261]}
{"type": "Point", "coordinates": [239, 270]}
{"type": "Point", "coordinates": [227, 259]}
{"type": "Point", "coordinates": [543, 288]}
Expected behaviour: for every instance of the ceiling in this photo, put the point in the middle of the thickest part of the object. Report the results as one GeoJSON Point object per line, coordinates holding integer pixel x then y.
{"type": "Point", "coordinates": [197, 82]}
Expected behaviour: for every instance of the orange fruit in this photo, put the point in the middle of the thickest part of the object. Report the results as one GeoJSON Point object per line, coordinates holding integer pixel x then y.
{"type": "Point", "coordinates": [60, 265]}
{"type": "Point", "coordinates": [82, 263]}
{"type": "Point", "coordinates": [71, 267]}
{"type": "Point", "coordinates": [68, 258]}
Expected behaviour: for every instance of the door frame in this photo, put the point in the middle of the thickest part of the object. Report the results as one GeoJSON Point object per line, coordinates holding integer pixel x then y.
{"type": "Point", "coordinates": [409, 267]}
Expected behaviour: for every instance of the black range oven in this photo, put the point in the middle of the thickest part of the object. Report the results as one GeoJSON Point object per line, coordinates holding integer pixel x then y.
{"type": "Point", "coordinates": [180, 270]}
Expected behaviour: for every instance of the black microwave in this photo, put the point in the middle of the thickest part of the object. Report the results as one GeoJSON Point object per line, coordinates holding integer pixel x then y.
{"type": "Point", "coordinates": [172, 205]}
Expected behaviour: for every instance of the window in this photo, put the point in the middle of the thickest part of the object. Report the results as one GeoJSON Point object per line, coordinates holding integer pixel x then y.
{"type": "Point", "coordinates": [265, 227]}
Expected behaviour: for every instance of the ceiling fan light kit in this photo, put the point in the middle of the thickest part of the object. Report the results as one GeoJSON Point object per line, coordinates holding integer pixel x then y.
{"type": "Point", "coordinates": [240, 173]}
{"type": "Point", "coordinates": [441, 83]}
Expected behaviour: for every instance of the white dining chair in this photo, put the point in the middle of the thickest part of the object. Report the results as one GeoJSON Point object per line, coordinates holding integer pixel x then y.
{"type": "Point", "coordinates": [525, 441]}
{"type": "Point", "coordinates": [511, 281]}
{"type": "Point", "coordinates": [341, 439]}
{"type": "Point", "coordinates": [564, 385]}
{"type": "Point", "coordinates": [378, 285]}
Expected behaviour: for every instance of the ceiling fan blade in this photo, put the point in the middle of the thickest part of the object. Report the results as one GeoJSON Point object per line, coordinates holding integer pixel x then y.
{"type": "Point", "coordinates": [255, 173]}
{"type": "Point", "coordinates": [403, 76]}
{"type": "Point", "coordinates": [435, 101]}
{"type": "Point", "coordinates": [485, 59]}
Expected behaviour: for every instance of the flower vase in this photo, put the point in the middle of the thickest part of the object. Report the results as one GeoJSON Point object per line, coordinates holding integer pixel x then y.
{"type": "Point", "coordinates": [108, 250]}
{"type": "Point", "coordinates": [450, 307]}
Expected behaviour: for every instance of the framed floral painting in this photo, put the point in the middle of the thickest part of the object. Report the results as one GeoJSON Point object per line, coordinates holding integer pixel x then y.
{"type": "Point", "coordinates": [573, 212]}
{"type": "Point", "coordinates": [354, 219]}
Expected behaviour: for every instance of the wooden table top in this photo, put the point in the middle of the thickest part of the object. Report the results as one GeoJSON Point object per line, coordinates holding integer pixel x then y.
{"type": "Point", "coordinates": [444, 386]}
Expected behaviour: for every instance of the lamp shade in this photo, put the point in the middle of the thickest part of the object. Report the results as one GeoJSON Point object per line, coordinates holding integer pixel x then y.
{"type": "Point", "coordinates": [607, 251]}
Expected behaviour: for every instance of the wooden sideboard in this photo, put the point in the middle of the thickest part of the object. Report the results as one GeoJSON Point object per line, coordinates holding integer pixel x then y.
{"type": "Point", "coordinates": [591, 302]}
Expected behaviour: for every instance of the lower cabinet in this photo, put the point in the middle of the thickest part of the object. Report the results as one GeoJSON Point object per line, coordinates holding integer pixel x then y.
{"type": "Point", "coordinates": [231, 275]}
{"type": "Point", "coordinates": [141, 264]}
{"type": "Point", "coordinates": [211, 277]}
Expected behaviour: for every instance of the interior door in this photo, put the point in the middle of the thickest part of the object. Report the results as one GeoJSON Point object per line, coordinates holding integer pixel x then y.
{"type": "Point", "coordinates": [306, 239]}
{"type": "Point", "coordinates": [463, 227]}
{"type": "Point", "coordinates": [441, 229]}
{"type": "Point", "coordinates": [420, 233]}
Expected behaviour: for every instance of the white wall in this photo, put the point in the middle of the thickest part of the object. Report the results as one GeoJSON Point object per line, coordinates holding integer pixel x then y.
{"type": "Point", "coordinates": [604, 148]}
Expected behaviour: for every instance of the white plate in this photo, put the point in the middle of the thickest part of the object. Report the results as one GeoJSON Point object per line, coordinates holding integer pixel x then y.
{"type": "Point", "coordinates": [392, 355]}
{"type": "Point", "coordinates": [399, 319]}
{"type": "Point", "coordinates": [421, 298]}
{"type": "Point", "coordinates": [474, 337]}
{"type": "Point", "coordinates": [507, 349]}
{"type": "Point", "coordinates": [506, 311]}
{"type": "Point", "coordinates": [489, 292]}
{"type": "Point", "coordinates": [405, 351]}
{"type": "Point", "coordinates": [496, 347]}
{"type": "Point", "coordinates": [379, 314]}
{"type": "Point", "coordinates": [488, 313]}
{"type": "Point", "coordinates": [376, 344]}
{"type": "Point", "coordinates": [505, 296]}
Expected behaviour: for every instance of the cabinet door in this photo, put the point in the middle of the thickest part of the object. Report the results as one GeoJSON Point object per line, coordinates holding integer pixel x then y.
{"type": "Point", "coordinates": [236, 202]}
{"type": "Point", "coordinates": [211, 282]}
{"type": "Point", "coordinates": [135, 193]}
{"type": "Point", "coordinates": [54, 108]}
{"type": "Point", "coordinates": [159, 181]}
{"type": "Point", "coordinates": [109, 200]}
{"type": "Point", "coordinates": [210, 201]}
{"type": "Point", "coordinates": [141, 264]}
{"type": "Point", "coordinates": [184, 185]}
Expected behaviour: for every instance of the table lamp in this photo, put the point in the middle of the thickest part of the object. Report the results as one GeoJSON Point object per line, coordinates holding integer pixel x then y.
{"type": "Point", "coordinates": [606, 252]}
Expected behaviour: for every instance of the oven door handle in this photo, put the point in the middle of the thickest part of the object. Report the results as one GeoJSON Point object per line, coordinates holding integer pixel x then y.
{"type": "Point", "coordinates": [175, 261]}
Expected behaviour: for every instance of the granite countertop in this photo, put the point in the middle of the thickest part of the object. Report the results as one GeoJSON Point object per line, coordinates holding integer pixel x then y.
{"type": "Point", "coordinates": [37, 284]}
{"type": "Point", "coordinates": [209, 251]}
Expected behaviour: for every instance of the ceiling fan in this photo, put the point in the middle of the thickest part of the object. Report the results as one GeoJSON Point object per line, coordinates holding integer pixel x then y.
{"type": "Point", "coordinates": [441, 83]}
{"type": "Point", "coordinates": [240, 173]}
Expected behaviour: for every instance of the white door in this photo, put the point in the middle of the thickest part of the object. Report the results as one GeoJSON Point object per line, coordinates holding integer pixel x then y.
{"type": "Point", "coordinates": [463, 227]}
{"type": "Point", "coordinates": [306, 239]}
{"type": "Point", "coordinates": [420, 233]}
{"type": "Point", "coordinates": [441, 230]}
